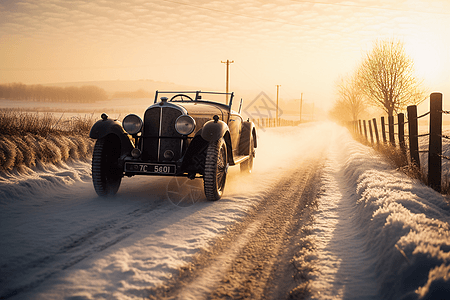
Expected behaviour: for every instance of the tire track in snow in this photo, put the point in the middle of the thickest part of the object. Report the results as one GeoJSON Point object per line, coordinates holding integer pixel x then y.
{"type": "Point", "coordinates": [254, 259]}
{"type": "Point", "coordinates": [32, 273]}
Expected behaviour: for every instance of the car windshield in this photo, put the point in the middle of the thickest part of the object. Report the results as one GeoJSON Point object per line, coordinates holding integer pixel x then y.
{"type": "Point", "coordinates": [222, 98]}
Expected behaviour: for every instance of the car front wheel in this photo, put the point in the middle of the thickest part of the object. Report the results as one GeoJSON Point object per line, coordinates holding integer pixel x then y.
{"type": "Point", "coordinates": [216, 168]}
{"type": "Point", "coordinates": [106, 174]}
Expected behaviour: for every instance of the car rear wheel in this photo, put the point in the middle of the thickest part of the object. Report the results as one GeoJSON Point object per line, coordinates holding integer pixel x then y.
{"type": "Point", "coordinates": [106, 174]}
{"type": "Point", "coordinates": [216, 168]}
{"type": "Point", "coordinates": [247, 166]}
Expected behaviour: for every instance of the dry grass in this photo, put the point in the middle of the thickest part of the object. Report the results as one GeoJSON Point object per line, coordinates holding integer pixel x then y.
{"type": "Point", "coordinates": [30, 138]}
{"type": "Point", "coordinates": [445, 188]}
{"type": "Point", "coordinates": [18, 123]}
{"type": "Point", "coordinates": [397, 158]}
{"type": "Point", "coordinates": [395, 155]}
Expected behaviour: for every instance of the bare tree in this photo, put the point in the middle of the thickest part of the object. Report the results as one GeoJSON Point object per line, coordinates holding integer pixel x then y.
{"type": "Point", "coordinates": [338, 112]}
{"type": "Point", "coordinates": [350, 98]}
{"type": "Point", "coordinates": [386, 77]}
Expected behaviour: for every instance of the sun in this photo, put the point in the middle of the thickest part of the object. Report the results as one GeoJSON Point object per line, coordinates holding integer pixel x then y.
{"type": "Point", "coordinates": [430, 55]}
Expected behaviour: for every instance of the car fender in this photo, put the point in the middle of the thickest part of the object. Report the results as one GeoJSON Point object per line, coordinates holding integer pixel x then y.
{"type": "Point", "coordinates": [196, 146]}
{"type": "Point", "coordinates": [102, 128]}
{"type": "Point", "coordinates": [214, 130]}
{"type": "Point", "coordinates": [248, 131]}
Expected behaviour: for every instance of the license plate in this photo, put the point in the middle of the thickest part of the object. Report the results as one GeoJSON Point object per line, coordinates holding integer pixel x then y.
{"type": "Point", "coordinates": [148, 168]}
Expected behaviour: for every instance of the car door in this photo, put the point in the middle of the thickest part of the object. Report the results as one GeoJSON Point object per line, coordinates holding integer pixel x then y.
{"type": "Point", "coordinates": [235, 125]}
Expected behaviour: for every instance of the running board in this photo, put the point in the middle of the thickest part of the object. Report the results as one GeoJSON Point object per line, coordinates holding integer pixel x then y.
{"type": "Point", "coordinates": [241, 159]}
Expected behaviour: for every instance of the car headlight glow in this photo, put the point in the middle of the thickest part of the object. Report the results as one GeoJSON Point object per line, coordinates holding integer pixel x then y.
{"type": "Point", "coordinates": [185, 125]}
{"type": "Point", "coordinates": [132, 124]}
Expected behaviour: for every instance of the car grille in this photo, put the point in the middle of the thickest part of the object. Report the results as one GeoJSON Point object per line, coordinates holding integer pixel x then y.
{"type": "Point", "coordinates": [159, 134]}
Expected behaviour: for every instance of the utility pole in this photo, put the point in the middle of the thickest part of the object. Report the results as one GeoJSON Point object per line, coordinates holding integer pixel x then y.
{"type": "Point", "coordinates": [228, 62]}
{"type": "Point", "coordinates": [301, 105]}
{"type": "Point", "coordinates": [278, 90]}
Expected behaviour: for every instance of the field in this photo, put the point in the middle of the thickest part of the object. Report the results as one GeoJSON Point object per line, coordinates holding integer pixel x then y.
{"type": "Point", "coordinates": [30, 139]}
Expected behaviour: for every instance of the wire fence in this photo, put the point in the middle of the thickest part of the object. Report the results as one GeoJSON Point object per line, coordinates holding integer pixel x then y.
{"type": "Point", "coordinates": [435, 156]}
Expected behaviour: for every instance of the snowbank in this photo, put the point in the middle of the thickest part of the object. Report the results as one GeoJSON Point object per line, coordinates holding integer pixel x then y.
{"type": "Point", "coordinates": [376, 224]}
{"type": "Point", "coordinates": [30, 183]}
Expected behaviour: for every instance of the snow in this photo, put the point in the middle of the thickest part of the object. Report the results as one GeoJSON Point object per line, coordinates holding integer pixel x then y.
{"type": "Point", "coordinates": [398, 229]}
{"type": "Point", "coordinates": [377, 233]}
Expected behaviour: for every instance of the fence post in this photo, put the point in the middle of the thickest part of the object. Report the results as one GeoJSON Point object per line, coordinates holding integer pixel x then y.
{"type": "Point", "coordinates": [435, 146]}
{"type": "Point", "coordinates": [383, 129]}
{"type": "Point", "coordinates": [365, 128]}
{"type": "Point", "coordinates": [360, 127]}
{"type": "Point", "coordinates": [413, 130]}
{"type": "Point", "coordinates": [370, 131]}
{"type": "Point", "coordinates": [401, 132]}
{"type": "Point", "coordinates": [375, 129]}
{"type": "Point", "coordinates": [391, 130]}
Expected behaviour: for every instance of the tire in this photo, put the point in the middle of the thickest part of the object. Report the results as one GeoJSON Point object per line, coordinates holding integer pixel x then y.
{"type": "Point", "coordinates": [106, 174]}
{"type": "Point", "coordinates": [247, 166]}
{"type": "Point", "coordinates": [216, 167]}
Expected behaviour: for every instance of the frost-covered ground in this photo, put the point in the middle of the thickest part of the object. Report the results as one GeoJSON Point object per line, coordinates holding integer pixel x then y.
{"type": "Point", "coordinates": [377, 225]}
{"type": "Point", "coordinates": [377, 233]}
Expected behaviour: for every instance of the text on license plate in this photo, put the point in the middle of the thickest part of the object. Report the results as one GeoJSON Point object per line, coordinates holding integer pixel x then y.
{"type": "Point", "coordinates": [150, 168]}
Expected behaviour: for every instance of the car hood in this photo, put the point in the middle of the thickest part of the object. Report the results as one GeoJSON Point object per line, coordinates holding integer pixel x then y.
{"type": "Point", "coordinates": [205, 110]}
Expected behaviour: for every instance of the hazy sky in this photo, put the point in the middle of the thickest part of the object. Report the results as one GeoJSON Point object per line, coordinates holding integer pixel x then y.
{"type": "Point", "coordinates": [304, 46]}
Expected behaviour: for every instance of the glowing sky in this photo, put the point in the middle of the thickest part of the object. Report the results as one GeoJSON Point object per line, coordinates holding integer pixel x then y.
{"type": "Point", "coordinates": [301, 45]}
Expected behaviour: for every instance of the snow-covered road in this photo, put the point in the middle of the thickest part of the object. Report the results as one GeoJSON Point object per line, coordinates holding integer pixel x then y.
{"type": "Point", "coordinates": [370, 228]}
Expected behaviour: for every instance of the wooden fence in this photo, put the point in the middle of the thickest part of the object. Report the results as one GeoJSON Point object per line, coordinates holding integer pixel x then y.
{"type": "Point", "coordinates": [271, 122]}
{"type": "Point", "coordinates": [371, 134]}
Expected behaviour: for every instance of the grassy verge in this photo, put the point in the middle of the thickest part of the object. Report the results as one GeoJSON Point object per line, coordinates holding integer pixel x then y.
{"type": "Point", "coordinates": [399, 160]}
{"type": "Point", "coordinates": [27, 139]}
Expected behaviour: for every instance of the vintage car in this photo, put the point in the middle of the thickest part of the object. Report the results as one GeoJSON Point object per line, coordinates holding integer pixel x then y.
{"type": "Point", "coordinates": [181, 135]}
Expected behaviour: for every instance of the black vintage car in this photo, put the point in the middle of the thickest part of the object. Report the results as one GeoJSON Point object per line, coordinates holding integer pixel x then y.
{"type": "Point", "coordinates": [181, 135]}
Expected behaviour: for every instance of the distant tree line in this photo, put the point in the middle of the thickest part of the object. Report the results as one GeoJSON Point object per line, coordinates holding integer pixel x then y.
{"type": "Point", "coordinates": [20, 91]}
{"type": "Point", "coordinates": [136, 94]}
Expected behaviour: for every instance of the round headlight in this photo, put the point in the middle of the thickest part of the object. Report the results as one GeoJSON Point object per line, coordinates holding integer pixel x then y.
{"type": "Point", "coordinates": [185, 124]}
{"type": "Point", "coordinates": [132, 124]}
